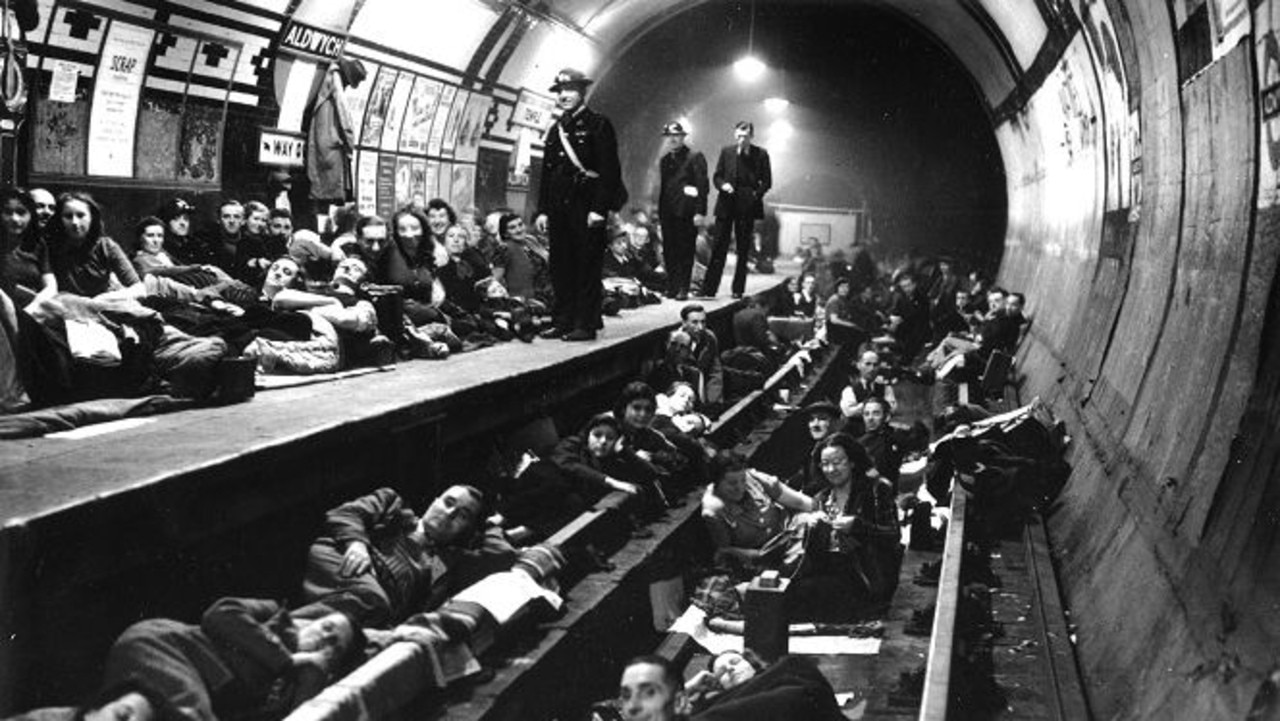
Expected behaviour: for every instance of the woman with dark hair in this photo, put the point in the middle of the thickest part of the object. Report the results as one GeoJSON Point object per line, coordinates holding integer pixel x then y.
{"type": "Point", "coordinates": [725, 671]}
{"type": "Point", "coordinates": [854, 548]}
{"type": "Point", "coordinates": [410, 262]}
{"type": "Point", "coordinates": [636, 407]}
{"type": "Point", "coordinates": [746, 513]}
{"type": "Point", "coordinates": [739, 685]}
{"type": "Point", "coordinates": [27, 272]}
{"type": "Point", "coordinates": [380, 562]}
{"type": "Point", "coordinates": [246, 656]}
{"type": "Point", "coordinates": [582, 469]}
{"type": "Point", "coordinates": [84, 258]}
{"type": "Point", "coordinates": [154, 259]}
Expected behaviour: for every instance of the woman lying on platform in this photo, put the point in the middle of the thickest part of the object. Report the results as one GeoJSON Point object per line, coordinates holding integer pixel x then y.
{"type": "Point", "coordinates": [747, 515]}
{"type": "Point", "coordinates": [853, 551]}
{"type": "Point", "coordinates": [246, 657]}
{"type": "Point", "coordinates": [582, 469]}
{"type": "Point", "coordinates": [741, 687]}
{"type": "Point", "coordinates": [381, 562]}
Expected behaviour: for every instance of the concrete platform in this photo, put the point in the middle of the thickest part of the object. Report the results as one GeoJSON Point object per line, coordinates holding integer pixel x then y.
{"type": "Point", "coordinates": [161, 518]}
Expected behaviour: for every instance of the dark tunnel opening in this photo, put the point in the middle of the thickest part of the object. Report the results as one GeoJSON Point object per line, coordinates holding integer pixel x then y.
{"type": "Point", "coordinates": [879, 112]}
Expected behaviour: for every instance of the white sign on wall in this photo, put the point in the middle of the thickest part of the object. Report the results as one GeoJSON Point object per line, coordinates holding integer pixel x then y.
{"type": "Point", "coordinates": [116, 92]}
{"type": "Point", "coordinates": [276, 147]}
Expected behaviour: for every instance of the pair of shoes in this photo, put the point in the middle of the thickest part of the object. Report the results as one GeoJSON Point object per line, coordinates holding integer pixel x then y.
{"type": "Point", "coordinates": [554, 331]}
{"type": "Point", "coordinates": [580, 334]}
{"type": "Point", "coordinates": [737, 296]}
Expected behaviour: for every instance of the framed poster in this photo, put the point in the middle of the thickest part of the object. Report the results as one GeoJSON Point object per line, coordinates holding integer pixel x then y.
{"type": "Point", "coordinates": [421, 110]}
{"type": "Point", "coordinates": [455, 120]}
{"type": "Point", "coordinates": [471, 128]}
{"type": "Point", "coordinates": [404, 181]}
{"type": "Point", "coordinates": [375, 113]}
{"type": "Point", "coordinates": [367, 181]}
{"type": "Point", "coordinates": [395, 112]}
{"type": "Point", "coordinates": [441, 119]}
{"type": "Point", "coordinates": [386, 185]}
{"type": "Point", "coordinates": [463, 193]}
{"type": "Point", "coordinates": [113, 120]}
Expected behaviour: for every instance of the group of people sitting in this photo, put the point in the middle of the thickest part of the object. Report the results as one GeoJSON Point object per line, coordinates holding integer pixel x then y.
{"type": "Point", "coordinates": [83, 316]}
{"type": "Point", "coordinates": [925, 305]}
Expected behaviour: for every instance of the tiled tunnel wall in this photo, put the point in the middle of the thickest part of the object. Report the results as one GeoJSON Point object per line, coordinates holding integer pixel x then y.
{"type": "Point", "coordinates": [1153, 325]}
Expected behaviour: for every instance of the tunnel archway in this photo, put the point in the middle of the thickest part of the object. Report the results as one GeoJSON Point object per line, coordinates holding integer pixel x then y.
{"type": "Point", "coordinates": [879, 113]}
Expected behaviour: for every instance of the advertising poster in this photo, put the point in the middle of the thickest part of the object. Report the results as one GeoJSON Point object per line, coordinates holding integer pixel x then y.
{"type": "Point", "coordinates": [404, 181]}
{"type": "Point", "coordinates": [418, 183]}
{"type": "Point", "coordinates": [358, 98]}
{"type": "Point", "coordinates": [463, 193]}
{"type": "Point", "coordinates": [455, 119]}
{"type": "Point", "coordinates": [375, 113]}
{"type": "Point", "coordinates": [471, 129]}
{"type": "Point", "coordinates": [367, 182]}
{"type": "Point", "coordinates": [417, 119]}
{"type": "Point", "coordinates": [441, 119]}
{"type": "Point", "coordinates": [395, 112]}
{"type": "Point", "coordinates": [386, 185]}
{"type": "Point", "coordinates": [117, 89]}
{"type": "Point", "coordinates": [432, 179]}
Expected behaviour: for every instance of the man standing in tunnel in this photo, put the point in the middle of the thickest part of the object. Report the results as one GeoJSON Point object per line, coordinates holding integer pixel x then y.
{"type": "Point", "coordinates": [581, 183]}
{"type": "Point", "coordinates": [682, 201]}
{"type": "Point", "coordinates": [743, 175]}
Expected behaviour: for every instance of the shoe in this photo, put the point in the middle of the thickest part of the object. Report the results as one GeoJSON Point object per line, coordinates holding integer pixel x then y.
{"type": "Point", "coordinates": [682, 296]}
{"type": "Point", "coordinates": [382, 351]}
{"type": "Point", "coordinates": [554, 332]}
{"type": "Point", "coordinates": [737, 296]}
{"type": "Point", "coordinates": [580, 335]}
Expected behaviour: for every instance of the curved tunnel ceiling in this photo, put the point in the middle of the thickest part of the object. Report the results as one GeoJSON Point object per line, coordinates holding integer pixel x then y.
{"type": "Point", "coordinates": [994, 41]}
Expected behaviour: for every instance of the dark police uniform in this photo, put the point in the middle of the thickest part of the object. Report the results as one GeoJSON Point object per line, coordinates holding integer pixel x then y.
{"type": "Point", "coordinates": [680, 168]}
{"type": "Point", "coordinates": [566, 196]}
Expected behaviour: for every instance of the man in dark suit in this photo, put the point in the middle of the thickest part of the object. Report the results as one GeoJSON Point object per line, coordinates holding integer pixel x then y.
{"type": "Point", "coordinates": [581, 183]}
{"type": "Point", "coordinates": [743, 176]}
{"type": "Point", "coordinates": [682, 201]}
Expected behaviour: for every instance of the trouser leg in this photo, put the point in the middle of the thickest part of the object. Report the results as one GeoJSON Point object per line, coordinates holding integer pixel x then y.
{"type": "Point", "coordinates": [561, 261]}
{"type": "Point", "coordinates": [719, 251]}
{"type": "Point", "coordinates": [679, 237]}
{"type": "Point", "coordinates": [742, 229]}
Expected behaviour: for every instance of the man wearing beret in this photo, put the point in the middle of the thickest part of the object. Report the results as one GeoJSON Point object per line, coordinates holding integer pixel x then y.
{"type": "Point", "coordinates": [743, 175]}
{"type": "Point", "coordinates": [682, 201]}
{"type": "Point", "coordinates": [581, 184]}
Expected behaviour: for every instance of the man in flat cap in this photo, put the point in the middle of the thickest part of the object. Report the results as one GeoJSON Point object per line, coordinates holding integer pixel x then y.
{"type": "Point", "coordinates": [682, 201]}
{"type": "Point", "coordinates": [581, 184]}
{"type": "Point", "coordinates": [743, 175]}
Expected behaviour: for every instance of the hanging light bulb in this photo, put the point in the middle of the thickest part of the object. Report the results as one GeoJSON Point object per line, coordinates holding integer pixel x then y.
{"type": "Point", "coordinates": [749, 69]}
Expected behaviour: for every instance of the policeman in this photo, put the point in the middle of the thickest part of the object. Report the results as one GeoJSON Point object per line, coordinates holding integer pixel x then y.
{"type": "Point", "coordinates": [682, 202]}
{"type": "Point", "coordinates": [581, 183]}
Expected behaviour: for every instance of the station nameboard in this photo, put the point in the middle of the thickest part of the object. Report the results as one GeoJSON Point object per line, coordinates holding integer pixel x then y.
{"type": "Point", "coordinates": [309, 40]}
{"type": "Point", "coordinates": [280, 147]}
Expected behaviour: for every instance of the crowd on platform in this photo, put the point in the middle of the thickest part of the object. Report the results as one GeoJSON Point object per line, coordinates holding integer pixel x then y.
{"type": "Point", "coordinates": [84, 315]}
{"type": "Point", "coordinates": [832, 523]}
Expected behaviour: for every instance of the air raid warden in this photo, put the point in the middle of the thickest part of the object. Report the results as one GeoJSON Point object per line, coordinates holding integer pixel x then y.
{"type": "Point", "coordinates": [581, 184]}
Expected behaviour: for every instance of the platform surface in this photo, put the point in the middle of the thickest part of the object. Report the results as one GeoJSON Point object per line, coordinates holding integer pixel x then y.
{"type": "Point", "coordinates": [42, 476]}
